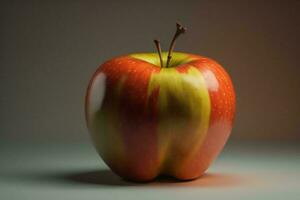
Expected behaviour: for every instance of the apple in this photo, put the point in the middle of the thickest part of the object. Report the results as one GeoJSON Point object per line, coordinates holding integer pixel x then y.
{"type": "Point", "coordinates": [166, 113]}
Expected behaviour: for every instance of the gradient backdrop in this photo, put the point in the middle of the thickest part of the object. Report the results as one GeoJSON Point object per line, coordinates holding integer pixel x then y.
{"type": "Point", "coordinates": [50, 49]}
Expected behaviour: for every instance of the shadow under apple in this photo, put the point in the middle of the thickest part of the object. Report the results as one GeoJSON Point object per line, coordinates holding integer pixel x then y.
{"type": "Point", "coordinates": [107, 177]}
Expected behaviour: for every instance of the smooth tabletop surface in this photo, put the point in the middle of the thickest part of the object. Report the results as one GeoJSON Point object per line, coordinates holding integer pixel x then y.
{"type": "Point", "coordinates": [55, 170]}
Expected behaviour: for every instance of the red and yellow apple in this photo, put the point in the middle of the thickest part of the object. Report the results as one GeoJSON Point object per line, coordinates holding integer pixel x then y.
{"type": "Point", "coordinates": [148, 120]}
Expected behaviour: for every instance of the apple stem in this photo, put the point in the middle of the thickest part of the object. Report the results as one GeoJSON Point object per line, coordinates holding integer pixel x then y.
{"type": "Point", "coordinates": [179, 30]}
{"type": "Point", "coordinates": [157, 44]}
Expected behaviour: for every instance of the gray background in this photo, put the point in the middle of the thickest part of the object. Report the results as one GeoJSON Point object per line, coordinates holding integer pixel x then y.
{"type": "Point", "coordinates": [49, 50]}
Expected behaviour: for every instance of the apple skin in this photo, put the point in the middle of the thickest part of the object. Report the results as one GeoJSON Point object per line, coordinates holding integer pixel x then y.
{"type": "Point", "coordinates": [147, 121]}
